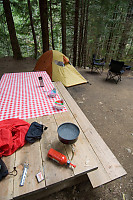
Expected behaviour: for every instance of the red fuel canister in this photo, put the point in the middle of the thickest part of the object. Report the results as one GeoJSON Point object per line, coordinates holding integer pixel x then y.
{"type": "Point", "coordinates": [59, 157]}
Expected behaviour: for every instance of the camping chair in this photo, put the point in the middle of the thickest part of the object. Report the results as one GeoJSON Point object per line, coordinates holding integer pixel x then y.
{"type": "Point", "coordinates": [116, 69]}
{"type": "Point", "coordinates": [97, 64]}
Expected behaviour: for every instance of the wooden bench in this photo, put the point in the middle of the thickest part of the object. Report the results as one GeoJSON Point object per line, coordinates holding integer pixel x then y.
{"type": "Point", "coordinates": [92, 157]}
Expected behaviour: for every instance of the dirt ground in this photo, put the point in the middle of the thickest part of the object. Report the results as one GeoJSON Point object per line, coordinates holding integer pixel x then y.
{"type": "Point", "coordinates": [109, 107]}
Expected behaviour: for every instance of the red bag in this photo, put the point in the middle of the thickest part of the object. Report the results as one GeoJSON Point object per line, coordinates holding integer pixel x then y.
{"type": "Point", "coordinates": [12, 135]}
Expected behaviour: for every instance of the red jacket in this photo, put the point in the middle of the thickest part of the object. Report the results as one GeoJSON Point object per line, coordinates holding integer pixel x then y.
{"type": "Point", "coordinates": [12, 135]}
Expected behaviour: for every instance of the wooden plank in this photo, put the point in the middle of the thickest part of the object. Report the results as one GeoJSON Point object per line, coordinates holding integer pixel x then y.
{"type": "Point", "coordinates": [109, 162]}
{"type": "Point", "coordinates": [81, 151]}
{"type": "Point", "coordinates": [83, 158]}
{"type": "Point", "coordinates": [29, 154]}
{"type": "Point", "coordinates": [100, 173]}
{"type": "Point", "coordinates": [54, 172]}
{"type": "Point", "coordinates": [41, 194]}
{"type": "Point", "coordinates": [6, 185]}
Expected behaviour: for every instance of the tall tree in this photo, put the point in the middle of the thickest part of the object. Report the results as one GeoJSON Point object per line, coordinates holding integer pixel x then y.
{"type": "Point", "coordinates": [63, 25]}
{"type": "Point", "coordinates": [126, 30]}
{"type": "Point", "coordinates": [84, 48]}
{"type": "Point", "coordinates": [44, 24]}
{"type": "Point", "coordinates": [51, 25]}
{"type": "Point", "coordinates": [75, 32]}
{"type": "Point", "coordinates": [81, 31]}
{"type": "Point", "coordinates": [11, 28]}
{"type": "Point", "coordinates": [32, 27]}
{"type": "Point", "coordinates": [111, 34]}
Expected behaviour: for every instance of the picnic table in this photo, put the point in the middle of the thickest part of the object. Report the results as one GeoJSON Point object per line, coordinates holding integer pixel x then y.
{"type": "Point", "coordinates": [92, 156]}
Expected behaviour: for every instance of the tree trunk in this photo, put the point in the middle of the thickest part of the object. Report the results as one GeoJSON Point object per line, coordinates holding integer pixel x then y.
{"type": "Point", "coordinates": [32, 27]}
{"type": "Point", "coordinates": [44, 24]}
{"type": "Point", "coordinates": [11, 28]}
{"type": "Point", "coordinates": [84, 48]}
{"type": "Point", "coordinates": [63, 25]}
{"type": "Point", "coordinates": [75, 32]}
{"type": "Point", "coordinates": [5, 43]}
{"type": "Point", "coordinates": [126, 30]}
{"type": "Point", "coordinates": [51, 23]}
{"type": "Point", "coordinates": [109, 42]}
{"type": "Point", "coordinates": [81, 30]}
{"type": "Point", "coordinates": [130, 50]}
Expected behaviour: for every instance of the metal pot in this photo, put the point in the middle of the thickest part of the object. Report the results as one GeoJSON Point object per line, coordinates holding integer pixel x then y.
{"type": "Point", "coordinates": [68, 133]}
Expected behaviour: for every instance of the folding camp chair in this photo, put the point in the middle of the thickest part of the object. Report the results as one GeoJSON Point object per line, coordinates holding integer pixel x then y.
{"type": "Point", "coordinates": [97, 64]}
{"type": "Point", "coordinates": [116, 69]}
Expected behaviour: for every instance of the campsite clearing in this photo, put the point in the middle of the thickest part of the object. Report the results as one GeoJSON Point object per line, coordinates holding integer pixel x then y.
{"type": "Point", "coordinates": [109, 108]}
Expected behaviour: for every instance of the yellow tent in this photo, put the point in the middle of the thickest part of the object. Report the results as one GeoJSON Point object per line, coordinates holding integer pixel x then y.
{"type": "Point", "coordinates": [59, 68]}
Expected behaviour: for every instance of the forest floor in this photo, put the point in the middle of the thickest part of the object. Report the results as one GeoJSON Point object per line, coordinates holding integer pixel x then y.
{"type": "Point", "coordinates": [109, 107]}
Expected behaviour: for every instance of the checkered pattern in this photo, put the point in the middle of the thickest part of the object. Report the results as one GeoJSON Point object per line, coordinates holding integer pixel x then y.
{"type": "Point", "coordinates": [22, 97]}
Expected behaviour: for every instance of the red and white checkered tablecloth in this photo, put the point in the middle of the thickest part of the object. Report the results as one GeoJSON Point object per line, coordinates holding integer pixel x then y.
{"type": "Point", "coordinates": [22, 97]}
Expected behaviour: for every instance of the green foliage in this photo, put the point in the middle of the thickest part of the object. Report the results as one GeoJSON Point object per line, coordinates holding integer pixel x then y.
{"type": "Point", "coordinates": [5, 46]}
{"type": "Point", "coordinates": [56, 19]}
{"type": "Point", "coordinates": [106, 21]}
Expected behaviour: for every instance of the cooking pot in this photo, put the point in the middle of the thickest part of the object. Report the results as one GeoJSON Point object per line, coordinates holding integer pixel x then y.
{"type": "Point", "coordinates": [68, 133]}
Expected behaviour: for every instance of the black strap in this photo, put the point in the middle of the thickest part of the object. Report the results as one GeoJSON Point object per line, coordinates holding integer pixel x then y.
{"type": "Point", "coordinates": [14, 172]}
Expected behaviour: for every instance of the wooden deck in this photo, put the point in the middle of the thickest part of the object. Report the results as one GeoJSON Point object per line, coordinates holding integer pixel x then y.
{"type": "Point", "coordinates": [90, 152]}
